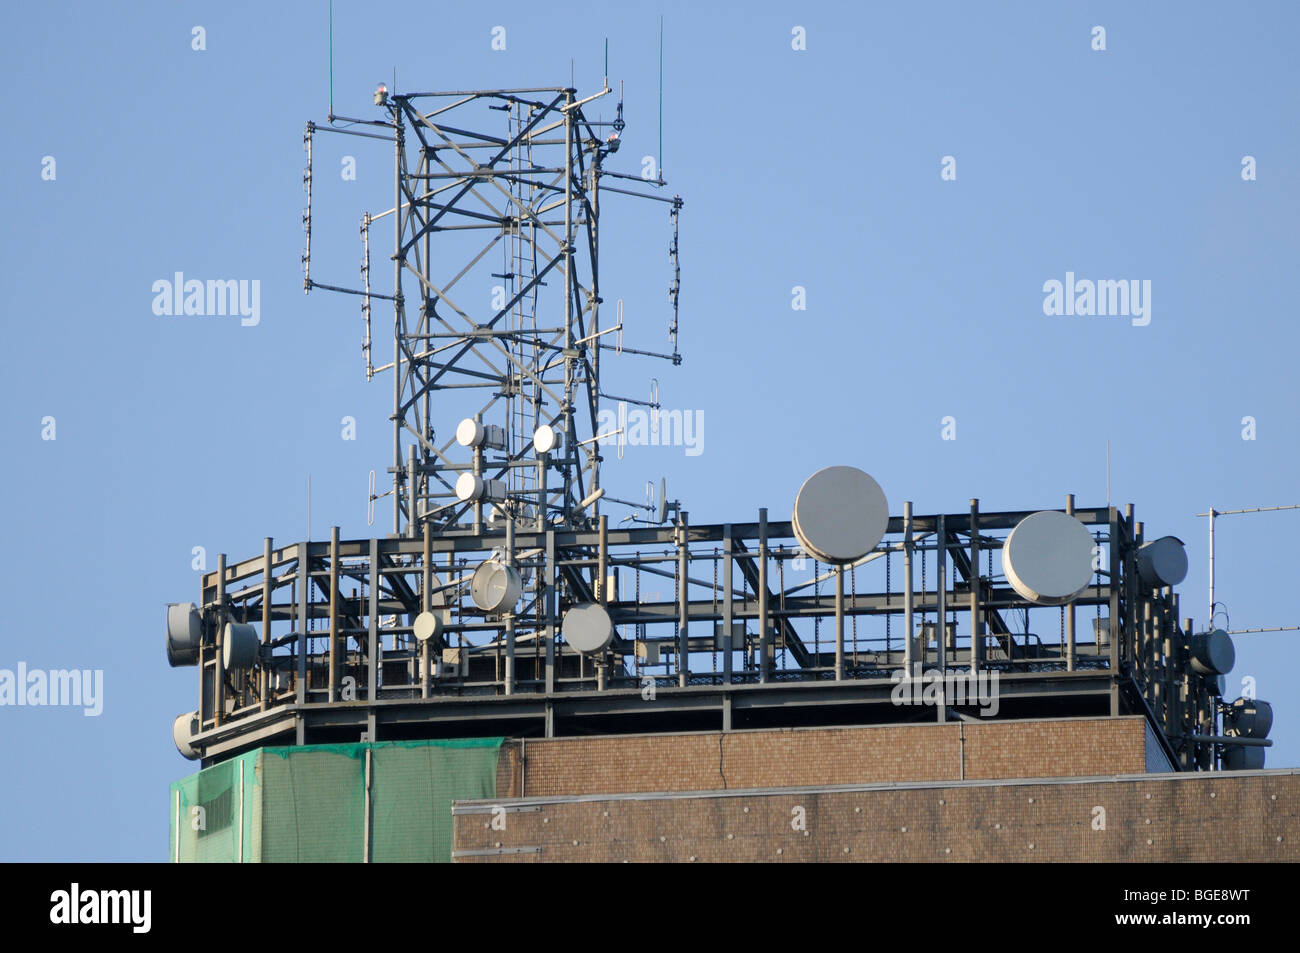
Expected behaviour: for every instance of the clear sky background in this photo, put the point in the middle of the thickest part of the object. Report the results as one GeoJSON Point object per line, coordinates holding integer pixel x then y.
{"type": "Point", "coordinates": [817, 168]}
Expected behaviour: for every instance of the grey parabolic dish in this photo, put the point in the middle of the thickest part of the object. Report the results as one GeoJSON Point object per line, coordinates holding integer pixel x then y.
{"type": "Point", "coordinates": [1048, 558]}
{"type": "Point", "coordinates": [1162, 562]}
{"type": "Point", "coordinates": [840, 514]}
{"type": "Point", "coordinates": [587, 628]}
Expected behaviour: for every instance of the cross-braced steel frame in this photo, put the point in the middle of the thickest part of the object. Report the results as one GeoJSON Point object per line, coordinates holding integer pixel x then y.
{"type": "Point", "coordinates": [717, 626]}
{"type": "Point", "coordinates": [500, 190]}
{"type": "Point", "coordinates": [720, 625]}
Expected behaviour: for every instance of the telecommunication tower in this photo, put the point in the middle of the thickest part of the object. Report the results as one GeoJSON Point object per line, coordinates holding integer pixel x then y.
{"type": "Point", "coordinates": [501, 189]}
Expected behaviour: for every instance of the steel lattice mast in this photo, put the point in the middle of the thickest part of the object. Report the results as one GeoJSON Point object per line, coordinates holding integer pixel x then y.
{"type": "Point", "coordinates": [467, 203]}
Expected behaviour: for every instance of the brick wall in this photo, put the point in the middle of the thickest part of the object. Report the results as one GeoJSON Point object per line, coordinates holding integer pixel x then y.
{"type": "Point", "coordinates": [802, 757]}
{"type": "Point", "coordinates": [1246, 816]}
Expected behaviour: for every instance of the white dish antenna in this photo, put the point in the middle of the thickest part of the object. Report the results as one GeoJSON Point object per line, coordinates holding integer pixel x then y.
{"type": "Point", "coordinates": [427, 625]}
{"type": "Point", "coordinates": [840, 514]}
{"type": "Point", "coordinates": [495, 587]}
{"type": "Point", "coordinates": [469, 432]}
{"type": "Point", "coordinates": [238, 646]}
{"type": "Point", "coordinates": [471, 486]}
{"type": "Point", "coordinates": [473, 433]}
{"type": "Point", "coordinates": [1048, 558]}
{"type": "Point", "coordinates": [587, 628]}
{"type": "Point", "coordinates": [184, 633]}
{"type": "Point", "coordinates": [546, 438]}
{"type": "Point", "coordinates": [184, 728]}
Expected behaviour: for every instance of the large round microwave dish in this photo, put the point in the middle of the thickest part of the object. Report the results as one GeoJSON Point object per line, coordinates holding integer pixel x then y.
{"type": "Point", "coordinates": [1162, 562]}
{"type": "Point", "coordinates": [1048, 558]}
{"type": "Point", "coordinates": [184, 634]}
{"type": "Point", "coordinates": [840, 514]}
{"type": "Point", "coordinates": [587, 628]}
{"type": "Point", "coordinates": [238, 646]}
{"type": "Point", "coordinates": [495, 587]}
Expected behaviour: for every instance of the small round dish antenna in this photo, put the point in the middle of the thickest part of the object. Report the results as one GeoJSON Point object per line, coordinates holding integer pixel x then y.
{"type": "Point", "coordinates": [840, 514]}
{"type": "Point", "coordinates": [587, 628]}
{"type": "Point", "coordinates": [545, 438]}
{"type": "Point", "coordinates": [427, 625]}
{"type": "Point", "coordinates": [184, 728]}
{"type": "Point", "coordinates": [469, 486]}
{"type": "Point", "coordinates": [1213, 653]}
{"type": "Point", "coordinates": [238, 646]}
{"type": "Point", "coordinates": [184, 633]}
{"type": "Point", "coordinates": [469, 432]}
{"type": "Point", "coordinates": [1048, 558]}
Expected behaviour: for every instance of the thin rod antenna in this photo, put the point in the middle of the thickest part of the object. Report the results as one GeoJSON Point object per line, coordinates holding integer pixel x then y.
{"type": "Point", "coordinates": [1214, 514]}
{"type": "Point", "coordinates": [331, 59]}
{"type": "Point", "coordinates": [661, 98]}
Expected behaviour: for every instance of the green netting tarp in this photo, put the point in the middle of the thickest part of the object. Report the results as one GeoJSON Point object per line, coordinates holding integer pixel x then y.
{"type": "Point", "coordinates": [213, 813]}
{"type": "Point", "coordinates": [331, 803]}
{"type": "Point", "coordinates": [412, 790]}
{"type": "Point", "coordinates": [313, 803]}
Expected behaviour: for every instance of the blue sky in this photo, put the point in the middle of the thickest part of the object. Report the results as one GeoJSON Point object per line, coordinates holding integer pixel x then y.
{"type": "Point", "coordinates": [817, 168]}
